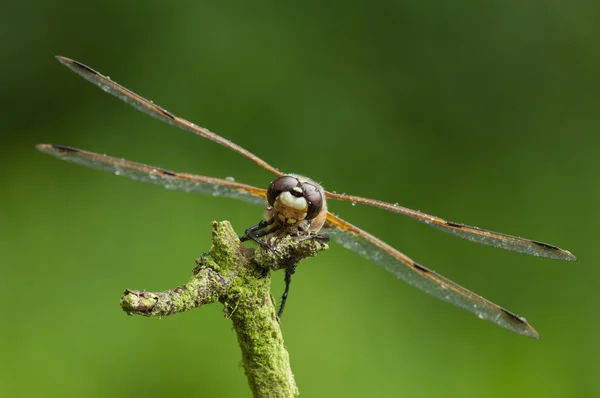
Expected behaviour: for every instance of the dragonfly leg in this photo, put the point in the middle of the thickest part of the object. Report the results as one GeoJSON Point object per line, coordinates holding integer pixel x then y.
{"type": "Point", "coordinates": [321, 238]}
{"type": "Point", "coordinates": [200, 261]}
{"type": "Point", "coordinates": [289, 271]}
{"type": "Point", "coordinates": [258, 231]}
{"type": "Point", "coordinates": [304, 228]}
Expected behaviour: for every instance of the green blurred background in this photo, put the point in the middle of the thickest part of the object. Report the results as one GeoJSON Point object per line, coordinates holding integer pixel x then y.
{"type": "Point", "coordinates": [483, 114]}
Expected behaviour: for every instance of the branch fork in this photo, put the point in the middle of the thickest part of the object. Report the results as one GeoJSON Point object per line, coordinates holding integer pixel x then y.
{"type": "Point", "coordinates": [239, 278]}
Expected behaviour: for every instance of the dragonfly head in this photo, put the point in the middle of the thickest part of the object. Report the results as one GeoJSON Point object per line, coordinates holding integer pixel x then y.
{"type": "Point", "coordinates": [294, 199]}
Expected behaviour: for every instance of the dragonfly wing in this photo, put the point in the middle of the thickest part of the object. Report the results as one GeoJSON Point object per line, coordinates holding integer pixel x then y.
{"type": "Point", "coordinates": [373, 249]}
{"type": "Point", "coordinates": [154, 175]}
{"type": "Point", "coordinates": [150, 108]}
{"type": "Point", "coordinates": [474, 234]}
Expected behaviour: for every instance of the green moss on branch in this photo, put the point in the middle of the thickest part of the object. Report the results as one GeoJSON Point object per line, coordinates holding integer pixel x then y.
{"type": "Point", "coordinates": [239, 278]}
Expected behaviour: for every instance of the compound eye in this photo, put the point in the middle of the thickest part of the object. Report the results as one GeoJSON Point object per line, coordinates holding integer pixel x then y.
{"type": "Point", "coordinates": [314, 199]}
{"type": "Point", "coordinates": [280, 185]}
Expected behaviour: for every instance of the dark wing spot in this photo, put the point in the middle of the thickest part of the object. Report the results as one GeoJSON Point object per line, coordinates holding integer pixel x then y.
{"type": "Point", "coordinates": [66, 148]}
{"type": "Point", "coordinates": [513, 318]}
{"type": "Point", "coordinates": [85, 67]}
{"type": "Point", "coordinates": [542, 244]}
{"type": "Point", "coordinates": [421, 268]}
{"type": "Point", "coordinates": [165, 112]}
{"type": "Point", "coordinates": [166, 172]}
{"type": "Point", "coordinates": [454, 224]}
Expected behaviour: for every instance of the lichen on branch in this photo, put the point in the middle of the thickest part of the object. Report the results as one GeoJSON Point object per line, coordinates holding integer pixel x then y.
{"type": "Point", "coordinates": [239, 278]}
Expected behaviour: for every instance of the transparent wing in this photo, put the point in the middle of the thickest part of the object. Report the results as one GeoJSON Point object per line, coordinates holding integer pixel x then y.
{"type": "Point", "coordinates": [156, 111]}
{"type": "Point", "coordinates": [403, 267]}
{"type": "Point", "coordinates": [154, 175]}
{"type": "Point", "coordinates": [474, 234]}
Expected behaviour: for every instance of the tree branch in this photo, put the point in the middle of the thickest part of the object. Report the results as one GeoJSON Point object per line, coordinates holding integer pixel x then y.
{"type": "Point", "coordinates": [239, 278]}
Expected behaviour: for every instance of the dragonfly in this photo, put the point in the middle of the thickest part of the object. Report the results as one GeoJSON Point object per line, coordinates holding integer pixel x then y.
{"type": "Point", "coordinates": [295, 204]}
